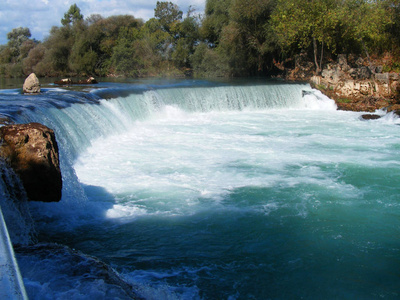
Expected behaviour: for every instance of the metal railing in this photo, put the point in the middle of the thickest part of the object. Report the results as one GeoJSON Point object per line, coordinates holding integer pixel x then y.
{"type": "Point", "coordinates": [11, 284]}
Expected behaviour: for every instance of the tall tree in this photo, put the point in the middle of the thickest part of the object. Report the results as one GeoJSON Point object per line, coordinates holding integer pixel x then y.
{"type": "Point", "coordinates": [16, 38]}
{"type": "Point", "coordinates": [72, 15]}
{"type": "Point", "coordinates": [251, 17]}
{"type": "Point", "coordinates": [188, 37]}
{"type": "Point", "coordinates": [216, 17]}
{"type": "Point", "coordinates": [306, 23]}
{"type": "Point", "coordinates": [168, 14]}
{"type": "Point", "coordinates": [366, 22]}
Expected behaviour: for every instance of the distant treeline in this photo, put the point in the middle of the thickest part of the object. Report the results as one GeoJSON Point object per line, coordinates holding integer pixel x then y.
{"type": "Point", "coordinates": [232, 38]}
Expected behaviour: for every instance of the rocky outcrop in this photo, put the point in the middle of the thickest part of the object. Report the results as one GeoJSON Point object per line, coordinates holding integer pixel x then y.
{"type": "Point", "coordinates": [32, 151]}
{"type": "Point", "coordinates": [357, 87]}
{"type": "Point", "coordinates": [31, 84]}
{"type": "Point", "coordinates": [355, 84]}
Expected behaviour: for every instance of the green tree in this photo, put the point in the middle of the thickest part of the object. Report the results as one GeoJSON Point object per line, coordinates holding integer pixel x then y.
{"type": "Point", "coordinates": [168, 14]}
{"type": "Point", "coordinates": [59, 44]}
{"type": "Point", "coordinates": [123, 60]}
{"type": "Point", "coordinates": [251, 18]}
{"type": "Point", "coordinates": [305, 24]}
{"type": "Point", "coordinates": [188, 36]}
{"type": "Point", "coordinates": [239, 30]}
{"type": "Point", "coordinates": [209, 62]}
{"type": "Point", "coordinates": [72, 15]}
{"type": "Point", "coordinates": [366, 23]}
{"type": "Point", "coordinates": [35, 57]}
{"type": "Point", "coordinates": [16, 38]}
{"type": "Point", "coordinates": [216, 17]}
{"type": "Point", "coordinates": [107, 32]}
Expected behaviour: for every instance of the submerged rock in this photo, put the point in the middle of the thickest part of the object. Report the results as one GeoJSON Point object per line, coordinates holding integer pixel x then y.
{"type": "Point", "coordinates": [32, 151]}
{"type": "Point", "coordinates": [31, 84]}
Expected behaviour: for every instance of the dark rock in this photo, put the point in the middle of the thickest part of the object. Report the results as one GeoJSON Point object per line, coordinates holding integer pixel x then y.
{"type": "Point", "coordinates": [65, 81]}
{"type": "Point", "coordinates": [5, 120]}
{"type": "Point", "coordinates": [364, 73]}
{"type": "Point", "coordinates": [342, 60]}
{"type": "Point", "coordinates": [397, 112]}
{"type": "Point", "coordinates": [379, 69]}
{"type": "Point", "coordinates": [90, 80]}
{"type": "Point", "coordinates": [32, 151]}
{"type": "Point", "coordinates": [382, 77]}
{"type": "Point", "coordinates": [68, 81]}
{"type": "Point", "coordinates": [359, 62]}
{"type": "Point", "coordinates": [394, 76]}
{"type": "Point", "coordinates": [31, 84]}
{"type": "Point", "coordinates": [305, 93]}
{"type": "Point", "coordinates": [370, 117]}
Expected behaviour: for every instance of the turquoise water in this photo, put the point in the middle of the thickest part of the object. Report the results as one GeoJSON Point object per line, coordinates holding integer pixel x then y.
{"type": "Point", "coordinates": [203, 191]}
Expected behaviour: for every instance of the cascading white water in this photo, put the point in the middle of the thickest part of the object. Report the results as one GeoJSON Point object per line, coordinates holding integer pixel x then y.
{"type": "Point", "coordinates": [78, 124]}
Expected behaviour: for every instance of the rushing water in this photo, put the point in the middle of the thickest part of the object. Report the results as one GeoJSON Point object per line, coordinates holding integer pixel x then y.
{"type": "Point", "coordinates": [199, 190]}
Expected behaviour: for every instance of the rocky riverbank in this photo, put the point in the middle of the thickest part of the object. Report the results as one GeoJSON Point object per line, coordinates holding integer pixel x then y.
{"type": "Point", "coordinates": [354, 84]}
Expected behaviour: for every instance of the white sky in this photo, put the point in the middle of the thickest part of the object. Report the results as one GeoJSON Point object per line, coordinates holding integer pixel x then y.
{"type": "Point", "coordinates": [40, 15]}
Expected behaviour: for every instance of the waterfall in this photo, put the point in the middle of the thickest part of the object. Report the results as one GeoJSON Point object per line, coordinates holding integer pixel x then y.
{"type": "Point", "coordinates": [81, 117]}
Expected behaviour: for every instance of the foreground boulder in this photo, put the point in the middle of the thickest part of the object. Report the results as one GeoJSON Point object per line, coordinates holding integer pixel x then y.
{"type": "Point", "coordinates": [31, 84]}
{"type": "Point", "coordinates": [32, 151]}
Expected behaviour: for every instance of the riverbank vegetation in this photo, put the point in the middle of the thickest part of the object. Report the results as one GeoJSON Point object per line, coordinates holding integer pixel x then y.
{"type": "Point", "coordinates": [232, 38]}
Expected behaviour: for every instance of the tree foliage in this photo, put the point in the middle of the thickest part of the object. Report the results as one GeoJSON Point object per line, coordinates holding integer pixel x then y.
{"type": "Point", "coordinates": [333, 25]}
{"type": "Point", "coordinates": [232, 38]}
{"type": "Point", "coordinates": [73, 15]}
{"type": "Point", "coordinates": [168, 14]}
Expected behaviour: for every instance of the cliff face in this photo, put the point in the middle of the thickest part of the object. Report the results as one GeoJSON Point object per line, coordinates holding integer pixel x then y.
{"type": "Point", "coordinates": [32, 151]}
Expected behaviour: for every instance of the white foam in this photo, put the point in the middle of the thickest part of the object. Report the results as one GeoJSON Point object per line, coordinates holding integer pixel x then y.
{"type": "Point", "coordinates": [390, 119]}
{"type": "Point", "coordinates": [166, 164]}
{"type": "Point", "coordinates": [125, 211]}
{"type": "Point", "coordinates": [315, 100]}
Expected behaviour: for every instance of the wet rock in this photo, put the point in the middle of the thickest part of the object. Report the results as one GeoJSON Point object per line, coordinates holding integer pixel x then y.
{"type": "Point", "coordinates": [32, 151]}
{"type": "Point", "coordinates": [69, 81]}
{"type": "Point", "coordinates": [31, 84]}
{"type": "Point", "coordinates": [90, 80]}
{"type": "Point", "coordinates": [370, 117]}
{"type": "Point", "coordinates": [64, 81]}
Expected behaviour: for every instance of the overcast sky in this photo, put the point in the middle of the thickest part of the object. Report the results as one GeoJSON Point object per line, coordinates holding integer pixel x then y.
{"type": "Point", "coordinates": [40, 15]}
